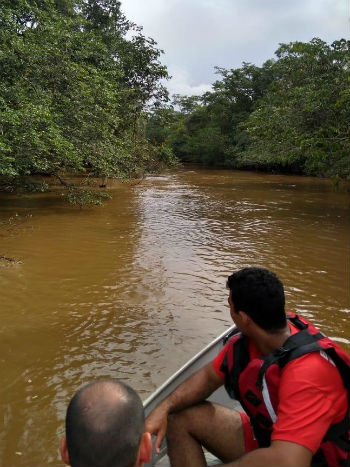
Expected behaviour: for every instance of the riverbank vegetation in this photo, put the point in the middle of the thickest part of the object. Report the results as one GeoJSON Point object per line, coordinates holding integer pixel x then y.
{"type": "Point", "coordinates": [75, 80]}
{"type": "Point", "coordinates": [82, 94]}
{"type": "Point", "coordinates": [290, 115]}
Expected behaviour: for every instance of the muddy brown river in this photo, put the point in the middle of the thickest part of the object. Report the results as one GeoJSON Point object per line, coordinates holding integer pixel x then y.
{"type": "Point", "coordinates": [134, 288]}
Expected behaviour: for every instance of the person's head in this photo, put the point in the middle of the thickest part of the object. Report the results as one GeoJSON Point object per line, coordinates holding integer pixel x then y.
{"type": "Point", "coordinates": [259, 294]}
{"type": "Point", "coordinates": [105, 427]}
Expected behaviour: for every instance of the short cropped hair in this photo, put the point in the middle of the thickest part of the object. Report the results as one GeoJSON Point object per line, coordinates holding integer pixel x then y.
{"type": "Point", "coordinates": [104, 424]}
{"type": "Point", "coordinates": [260, 294]}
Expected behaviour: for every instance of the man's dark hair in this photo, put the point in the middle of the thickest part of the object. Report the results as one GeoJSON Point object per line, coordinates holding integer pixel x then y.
{"type": "Point", "coordinates": [104, 424]}
{"type": "Point", "coordinates": [260, 294]}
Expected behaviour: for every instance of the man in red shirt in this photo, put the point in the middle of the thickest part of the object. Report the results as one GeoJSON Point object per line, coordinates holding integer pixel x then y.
{"type": "Point", "coordinates": [293, 396]}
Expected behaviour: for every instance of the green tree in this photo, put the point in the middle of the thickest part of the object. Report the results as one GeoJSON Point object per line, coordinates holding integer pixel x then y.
{"type": "Point", "coordinates": [301, 124]}
{"type": "Point", "coordinates": [207, 129]}
{"type": "Point", "coordinates": [291, 114]}
{"type": "Point", "coordinates": [72, 90]}
{"type": "Point", "coordinates": [233, 99]}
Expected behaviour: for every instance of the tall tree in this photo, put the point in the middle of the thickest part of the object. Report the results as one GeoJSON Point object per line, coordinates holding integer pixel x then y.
{"type": "Point", "coordinates": [208, 128]}
{"type": "Point", "coordinates": [75, 76]}
{"type": "Point", "coordinates": [291, 114]}
{"type": "Point", "coordinates": [301, 124]}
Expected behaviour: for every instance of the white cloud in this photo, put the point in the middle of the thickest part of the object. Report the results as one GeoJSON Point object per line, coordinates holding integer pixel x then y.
{"type": "Point", "coordinates": [197, 35]}
{"type": "Point", "coordinates": [181, 83]}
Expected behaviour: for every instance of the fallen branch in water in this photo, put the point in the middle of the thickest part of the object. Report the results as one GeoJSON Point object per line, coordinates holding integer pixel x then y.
{"type": "Point", "coordinates": [82, 197]}
{"type": "Point", "coordinates": [9, 260]}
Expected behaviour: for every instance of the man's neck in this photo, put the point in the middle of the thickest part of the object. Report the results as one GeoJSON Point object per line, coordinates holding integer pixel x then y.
{"type": "Point", "coordinates": [268, 342]}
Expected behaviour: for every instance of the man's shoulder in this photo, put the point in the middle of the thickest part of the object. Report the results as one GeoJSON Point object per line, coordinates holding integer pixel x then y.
{"type": "Point", "coordinates": [316, 369]}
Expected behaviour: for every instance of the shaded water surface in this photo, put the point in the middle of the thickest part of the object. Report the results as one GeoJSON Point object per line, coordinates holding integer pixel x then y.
{"type": "Point", "coordinates": [134, 288]}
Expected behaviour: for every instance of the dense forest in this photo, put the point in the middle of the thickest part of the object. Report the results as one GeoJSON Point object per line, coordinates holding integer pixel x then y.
{"type": "Point", "coordinates": [82, 93]}
{"type": "Point", "coordinates": [76, 78]}
{"type": "Point", "coordinates": [290, 115]}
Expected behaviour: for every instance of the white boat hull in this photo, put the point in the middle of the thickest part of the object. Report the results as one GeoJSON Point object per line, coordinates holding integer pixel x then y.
{"type": "Point", "coordinates": [198, 361]}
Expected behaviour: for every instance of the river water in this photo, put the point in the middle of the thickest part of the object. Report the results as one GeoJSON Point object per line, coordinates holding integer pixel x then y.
{"type": "Point", "coordinates": [136, 287]}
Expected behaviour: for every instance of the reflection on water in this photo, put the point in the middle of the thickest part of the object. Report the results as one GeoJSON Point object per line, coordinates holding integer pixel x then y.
{"type": "Point", "coordinates": [136, 287]}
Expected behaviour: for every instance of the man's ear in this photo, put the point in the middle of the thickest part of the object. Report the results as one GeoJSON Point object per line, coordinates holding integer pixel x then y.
{"type": "Point", "coordinates": [145, 449]}
{"type": "Point", "coordinates": [64, 451]}
{"type": "Point", "coordinates": [246, 319]}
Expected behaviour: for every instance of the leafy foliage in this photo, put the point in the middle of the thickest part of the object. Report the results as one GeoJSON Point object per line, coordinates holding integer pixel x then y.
{"type": "Point", "coordinates": [302, 121]}
{"type": "Point", "coordinates": [75, 76]}
{"type": "Point", "coordinates": [289, 115]}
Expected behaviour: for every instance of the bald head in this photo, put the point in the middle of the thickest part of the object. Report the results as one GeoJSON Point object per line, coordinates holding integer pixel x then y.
{"type": "Point", "coordinates": [104, 424]}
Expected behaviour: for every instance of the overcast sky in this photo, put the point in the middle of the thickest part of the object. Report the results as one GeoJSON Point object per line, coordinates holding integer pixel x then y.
{"type": "Point", "coordinates": [197, 35]}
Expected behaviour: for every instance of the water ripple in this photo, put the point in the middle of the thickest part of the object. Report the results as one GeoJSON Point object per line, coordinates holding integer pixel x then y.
{"type": "Point", "coordinates": [134, 288]}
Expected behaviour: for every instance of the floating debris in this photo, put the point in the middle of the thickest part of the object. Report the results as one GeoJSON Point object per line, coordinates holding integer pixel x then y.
{"type": "Point", "coordinates": [6, 261]}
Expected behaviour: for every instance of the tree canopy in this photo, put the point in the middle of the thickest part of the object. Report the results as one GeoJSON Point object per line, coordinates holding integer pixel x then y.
{"type": "Point", "coordinates": [289, 115]}
{"type": "Point", "coordinates": [75, 79]}
{"type": "Point", "coordinates": [81, 92]}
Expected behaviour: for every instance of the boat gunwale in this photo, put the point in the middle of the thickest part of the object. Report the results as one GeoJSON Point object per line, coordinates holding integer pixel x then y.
{"type": "Point", "coordinates": [196, 357]}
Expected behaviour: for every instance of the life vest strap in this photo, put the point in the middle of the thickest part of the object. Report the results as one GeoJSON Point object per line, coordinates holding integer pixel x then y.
{"type": "Point", "coordinates": [298, 323]}
{"type": "Point", "coordinates": [229, 335]}
{"type": "Point", "coordinates": [294, 347]}
{"type": "Point", "coordinates": [335, 433]}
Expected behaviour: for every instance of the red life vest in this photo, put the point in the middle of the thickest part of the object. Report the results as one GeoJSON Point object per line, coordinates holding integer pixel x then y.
{"type": "Point", "coordinates": [255, 384]}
